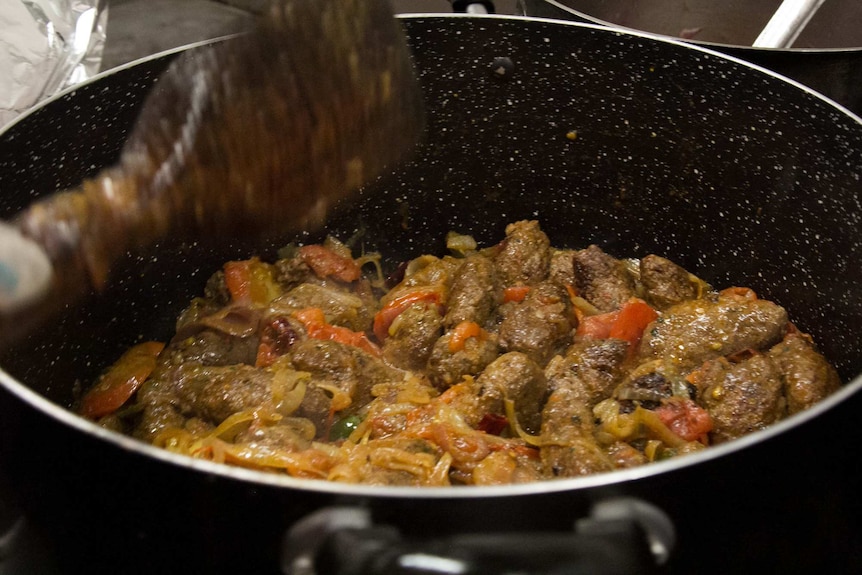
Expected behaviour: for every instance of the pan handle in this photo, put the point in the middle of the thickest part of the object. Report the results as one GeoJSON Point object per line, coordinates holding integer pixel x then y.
{"type": "Point", "coordinates": [620, 537]}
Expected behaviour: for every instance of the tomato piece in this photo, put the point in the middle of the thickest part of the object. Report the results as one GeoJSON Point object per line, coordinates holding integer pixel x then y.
{"type": "Point", "coordinates": [384, 318]}
{"type": "Point", "coordinates": [632, 320]}
{"type": "Point", "coordinates": [686, 419]}
{"type": "Point", "coordinates": [121, 381]}
{"type": "Point", "coordinates": [515, 293]}
{"type": "Point", "coordinates": [317, 327]}
{"type": "Point", "coordinates": [597, 326]}
{"type": "Point", "coordinates": [250, 282]}
{"type": "Point", "coordinates": [462, 332]}
{"type": "Point", "coordinates": [627, 323]}
{"type": "Point", "coordinates": [276, 339]}
{"type": "Point", "coordinates": [493, 424]}
{"type": "Point", "coordinates": [326, 263]}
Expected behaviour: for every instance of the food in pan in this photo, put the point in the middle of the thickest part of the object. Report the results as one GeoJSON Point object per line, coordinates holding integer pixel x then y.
{"type": "Point", "coordinates": [512, 363]}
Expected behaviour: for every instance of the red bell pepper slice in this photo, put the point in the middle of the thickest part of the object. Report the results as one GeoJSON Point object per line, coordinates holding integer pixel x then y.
{"type": "Point", "coordinates": [317, 327]}
{"type": "Point", "coordinates": [384, 318]}
{"type": "Point", "coordinates": [121, 381]}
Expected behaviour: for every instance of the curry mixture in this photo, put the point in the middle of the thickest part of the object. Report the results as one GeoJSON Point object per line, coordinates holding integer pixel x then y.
{"type": "Point", "coordinates": [512, 363]}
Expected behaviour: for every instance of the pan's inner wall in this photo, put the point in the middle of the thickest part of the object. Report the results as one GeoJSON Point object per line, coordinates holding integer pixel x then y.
{"type": "Point", "coordinates": [636, 145]}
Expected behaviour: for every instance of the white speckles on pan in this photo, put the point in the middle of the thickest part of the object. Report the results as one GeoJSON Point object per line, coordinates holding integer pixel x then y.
{"type": "Point", "coordinates": [635, 144]}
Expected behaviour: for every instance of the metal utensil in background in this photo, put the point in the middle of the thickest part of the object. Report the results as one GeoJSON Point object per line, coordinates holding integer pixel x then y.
{"type": "Point", "coordinates": [787, 23]}
{"type": "Point", "coordinates": [826, 57]}
{"type": "Point", "coordinates": [262, 134]}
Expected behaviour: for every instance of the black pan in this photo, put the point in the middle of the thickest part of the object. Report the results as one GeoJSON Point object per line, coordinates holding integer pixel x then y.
{"type": "Point", "coordinates": [741, 176]}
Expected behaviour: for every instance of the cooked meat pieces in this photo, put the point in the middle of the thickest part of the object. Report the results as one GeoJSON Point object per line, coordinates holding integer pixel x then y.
{"type": "Point", "coordinates": [562, 270]}
{"type": "Point", "coordinates": [647, 390]}
{"type": "Point", "coordinates": [293, 271]}
{"type": "Point", "coordinates": [665, 283]}
{"type": "Point", "coordinates": [474, 294]}
{"type": "Point", "coordinates": [340, 306]}
{"type": "Point", "coordinates": [159, 411]}
{"type": "Point", "coordinates": [412, 336]}
{"type": "Point", "coordinates": [470, 369]}
{"type": "Point", "coordinates": [351, 369]}
{"type": "Point", "coordinates": [624, 455]}
{"type": "Point", "coordinates": [282, 437]}
{"type": "Point", "coordinates": [539, 326]}
{"type": "Point", "coordinates": [316, 407]}
{"type": "Point", "coordinates": [808, 377]}
{"type": "Point", "coordinates": [217, 392]}
{"type": "Point", "coordinates": [211, 347]}
{"type": "Point", "coordinates": [740, 397]}
{"type": "Point", "coordinates": [524, 256]}
{"type": "Point", "coordinates": [693, 332]}
{"type": "Point", "coordinates": [570, 448]}
{"type": "Point", "coordinates": [516, 377]}
{"type": "Point", "coordinates": [447, 367]}
{"type": "Point", "coordinates": [424, 272]}
{"type": "Point", "coordinates": [590, 369]}
{"type": "Point", "coordinates": [158, 397]}
{"type": "Point", "coordinates": [602, 279]}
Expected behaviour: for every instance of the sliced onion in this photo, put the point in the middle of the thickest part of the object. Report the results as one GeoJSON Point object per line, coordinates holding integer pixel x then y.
{"type": "Point", "coordinates": [341, 307]}
{"type": "Point", "coordinates": [303, 427]}
{"type": "Point", "coordinates": [288, 389]}
{"type": "Point", "coordinates": [535, 440]}
{"type": "Point", "coordinates": [175, 439]}
{"type": "Point", "coordinates": [702, 287]}
{"type": "Point", "coordinates": [373, 258]}
{"type": "Point", "coordinates": [337, 246]}
{"type": "Point", "coordinates": [234, 425]}
{"type": "Point", "coordinates": [617, 424]}
{"type": "Point", "coordinates": [651, 449]}
{"type": "Point", "coordinates": [461, 244]}
{"type": "Point", "coordinates": [633, 267]}
{"type": "Point", "coordinates": [340, 399]}
{"type": "Point", "coordinates": [584, 306]}
{"type": "Point", "coordinates": [238, 321]}
{"type": "Point", "coordinates": [657, 427]}
{"type": "Point", "coordinates": [440, 474]}
{"type": "Point", "coordinates": [419, 263]}
{"type": "Point", "coordinates": [308, 463]}
{"type": "Point", "coordinates": [396, 459]}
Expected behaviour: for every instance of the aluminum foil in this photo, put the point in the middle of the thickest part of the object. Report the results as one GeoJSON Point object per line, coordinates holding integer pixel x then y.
{"type": "Point", "coordinates": [45, 47]}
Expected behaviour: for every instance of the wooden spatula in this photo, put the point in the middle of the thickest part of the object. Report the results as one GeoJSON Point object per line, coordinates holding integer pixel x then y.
{"type": "Point", "coordinates": [258, 134]}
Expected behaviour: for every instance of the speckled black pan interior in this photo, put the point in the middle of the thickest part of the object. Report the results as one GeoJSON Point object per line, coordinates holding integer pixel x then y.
{"type": "Point", "coordinates": [637, 145]}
